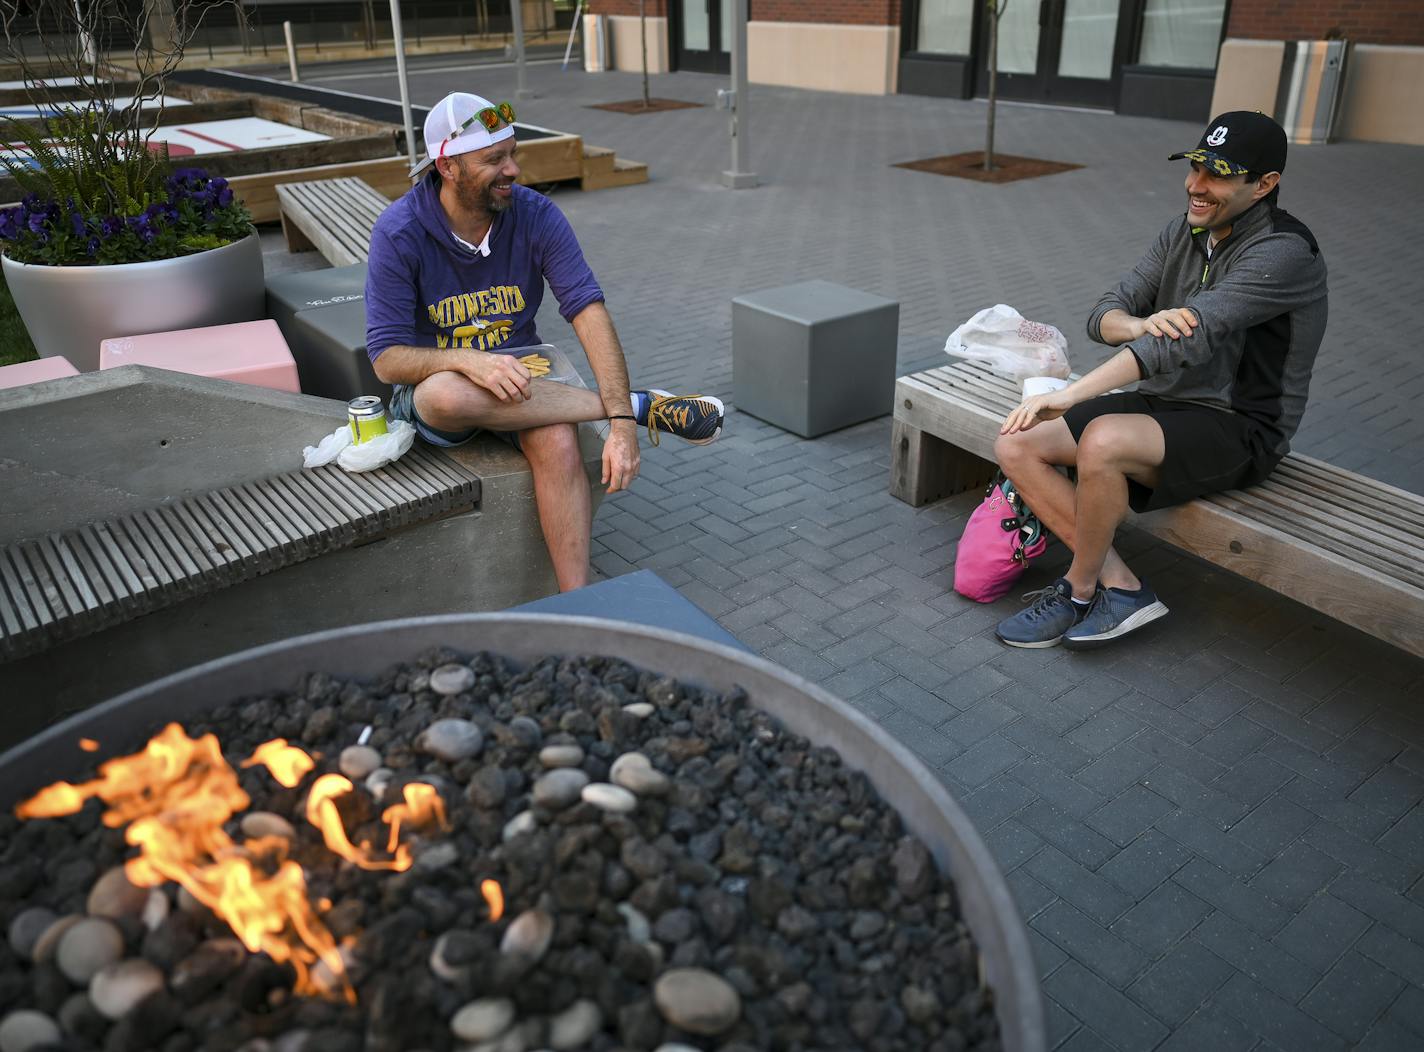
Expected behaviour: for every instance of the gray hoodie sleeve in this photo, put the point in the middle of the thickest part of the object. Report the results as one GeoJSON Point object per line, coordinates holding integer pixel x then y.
{"type": "Point", "coordinates": [1137, 291]}
{"type": "Point", "coordinates": [1271, 276]}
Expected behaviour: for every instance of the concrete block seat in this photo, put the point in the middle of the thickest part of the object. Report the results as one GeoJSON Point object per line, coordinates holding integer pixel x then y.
{"type": "Point", "coordinates": [192, 531]}
{"type": "Point", "coordinates": [246, 352]}
{"type": "Point", "coordinates": [814, 357]}
{"type": "Point", "coordinates": [22, 374]}
{"type": "Point", "coordinates": [329, 349]}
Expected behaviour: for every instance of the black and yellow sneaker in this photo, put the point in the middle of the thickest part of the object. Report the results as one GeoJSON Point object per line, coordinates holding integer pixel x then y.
{"type": "Point", "coordinates": [695, 418]}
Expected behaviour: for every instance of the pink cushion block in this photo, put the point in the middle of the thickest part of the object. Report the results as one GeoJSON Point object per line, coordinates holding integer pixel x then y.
{"type": "Point", "coordinates": [248, 352]}
{"type": "Point", "coordinates": [25, 373]}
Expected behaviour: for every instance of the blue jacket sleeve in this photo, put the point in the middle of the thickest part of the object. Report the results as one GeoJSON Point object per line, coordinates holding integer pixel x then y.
{"type": "Point", "coordinates": [561, 260]}
{"type": "Point", "coordinates": [391, 296]}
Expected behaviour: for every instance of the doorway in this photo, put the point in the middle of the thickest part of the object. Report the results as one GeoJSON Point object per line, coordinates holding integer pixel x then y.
{"type": "Point", "coordinates": [1058, 51]}
{"type": "Point", "coordinates": [703, 35]}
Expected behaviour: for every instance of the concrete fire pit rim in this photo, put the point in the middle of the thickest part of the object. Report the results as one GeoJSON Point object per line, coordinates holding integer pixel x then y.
{"type": "Point", "coordinates": [121, 725]}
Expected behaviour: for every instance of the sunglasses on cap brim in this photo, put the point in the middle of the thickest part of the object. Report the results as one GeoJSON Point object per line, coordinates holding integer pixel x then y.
{"type": "Point", "coordinates": [491, 119]}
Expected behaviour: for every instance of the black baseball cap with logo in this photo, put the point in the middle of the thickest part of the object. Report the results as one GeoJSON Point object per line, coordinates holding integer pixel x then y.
{"type": "Point", "coordinates": [1239, 142]}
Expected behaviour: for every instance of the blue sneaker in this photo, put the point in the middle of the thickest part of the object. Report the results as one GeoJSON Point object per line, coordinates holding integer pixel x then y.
{"type": "Point", "coordinates": [1114, 614]}
{"type": "Point", "coordinates": [695, 418]}
{"type": "Point", "coordinates": [1050, 613]}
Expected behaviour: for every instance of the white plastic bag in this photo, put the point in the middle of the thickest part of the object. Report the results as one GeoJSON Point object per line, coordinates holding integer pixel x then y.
{"type": "Point", "coordinates": [373, 453]}
{"type": "Point", "coordinates": [1008, 343]}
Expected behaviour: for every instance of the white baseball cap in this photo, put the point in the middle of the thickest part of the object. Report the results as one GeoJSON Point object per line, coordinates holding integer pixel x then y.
{"type": "Point", "coordinates": [460, 123]}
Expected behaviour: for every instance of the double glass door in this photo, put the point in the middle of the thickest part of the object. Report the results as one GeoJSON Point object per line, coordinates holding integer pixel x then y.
{"type": "Point", "coordinates": [704, 35]}
{"type": "Point", "coordinates": [1057, 51]}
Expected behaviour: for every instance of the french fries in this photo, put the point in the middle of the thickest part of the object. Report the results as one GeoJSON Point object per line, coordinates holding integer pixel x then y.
{"type": "Point", "coordinates": [537, 364]}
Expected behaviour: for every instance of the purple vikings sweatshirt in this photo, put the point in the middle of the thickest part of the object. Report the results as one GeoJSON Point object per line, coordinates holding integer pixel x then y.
{"type": "Point", "coordinates": [425, 289]}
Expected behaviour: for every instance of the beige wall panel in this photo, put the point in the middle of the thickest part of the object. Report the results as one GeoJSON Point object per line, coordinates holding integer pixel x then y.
{"type": "Point", "coordinates": [863, 60]}
{"type": "Point", "coordinates": [626, 44]}
{"type": "Point", "coordinates": [1383, 89]}
{"type": "Point", "coordinates": [1247, 75]}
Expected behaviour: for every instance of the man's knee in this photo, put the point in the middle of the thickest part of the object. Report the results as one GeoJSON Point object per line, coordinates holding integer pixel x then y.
{"type": "Point", "coordinates": [439, 399]}
{"type": "Point", "coordinates": [553, 448]}
{"type": "Point", "coordinates": [1103, 444]}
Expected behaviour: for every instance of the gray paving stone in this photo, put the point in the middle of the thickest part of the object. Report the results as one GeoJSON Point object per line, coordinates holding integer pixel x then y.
{"type": "Point", "coordinates": [1388, 1036]}
{"type": "Point", "coordinates": [1012, 843]}
{"type": "Point", "coordinates": [1214, 1030]}
{"type": "Point", "coordinates": [1255, 957]}
{"type": "Point", "coordinates": [1362, 857]}
{"type": "Point", "coordinates": [1408, 1010]}
{"type": "Point", "coordinates": [1391, 791]}
{"type": "Point", "coordinates": [1116, 770]}
{"type": "Point", "coordinates": [1334, 808]}
{"type": "Point", "coordinates": [1352, 995]}
{"type": "Point", "coordinates": [1324, 929]}
{"type": "Point", "coordinates": [1163, 917]}
{"type": "Point", "coordinates": [1102, 731]}
{"type": "Point", "coordinates": [1207, 840]}
{"type": "Point", "coordinates": [1036, 736]}
{"type": "Point", "coordinates": [1296, 875]}
{"type": "Point", "coordinates": [983, 760]}
{"type": "Point", "coordinates": [1194, 796]}
{"type": "Point", "coordinates": [1051, 783]}
{"type": "Point", "coordinates": [1104, 1008]}
{"type": "Point", "coordinates": [1070, 835]}
{"type": "Point", "coordinates": [1180, 981]}
{"type": "Point", "coordinates": [1246, 903]}
{"type": "Point", "coordinates": [1091, 893]}
{"type": "Point", "coordinates": [1128, 815]}
{"type": "Point", "coordinates": [996, 800]}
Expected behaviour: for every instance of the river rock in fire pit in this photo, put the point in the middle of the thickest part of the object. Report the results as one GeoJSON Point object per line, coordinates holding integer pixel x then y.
{"type": "Point", "coordinates": [256, 824]}
{"type": "Point", "coordinates": [520, 824]}
{"type": "Point", "coordinates": [25, 1030]}
{"type": "Point", "coordinates": [561, 755]}
{"type": "Point", "coordinates": [608, 797]}
{"type": "Point", "coordinates": [27, 927]}
{"type": "Point", "coordinates": [559, 789]}
{"type": "Point", "coordinates": [451, 740]}
{"type": "Point", "coordinates": [639, 710]}
{"type": "Point", "coordinates": [117, 987]}
{"type": "Point", "coordinates": [87, 947]}
{"type": "Point", "coordinates": [635, 772]}
{"type": "Point", "coordinates": [207, 968]}
{"type": "Point", "coordinates": [451, 679]}
{"type": "Point", "coordinates": [483, 1020]}
{"type": "Point", "coordinates": [528, 935]}
{"type": "Point", "coordinates": [357, 761]}
{"type": "Point", "coordinates": [575, 1025]}
{"type": "Point", "coordinates": [155, 909]}
{"type": "Point", "coordinates": [697, 1001]}
{"type": "Point", "coordinates": [115, 896]}
{"type": "Point", "coordinates": [48, 943]}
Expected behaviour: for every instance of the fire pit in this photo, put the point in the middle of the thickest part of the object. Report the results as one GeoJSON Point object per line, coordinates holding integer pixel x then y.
{"type": "Point", "coordinates": [680, 872]}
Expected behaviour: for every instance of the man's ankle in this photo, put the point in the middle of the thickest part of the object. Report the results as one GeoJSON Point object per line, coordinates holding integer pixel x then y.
{"type": "Point", "coordinates": [1125, 582]}
{"type": "Point", "coordinates": [1081, 594]}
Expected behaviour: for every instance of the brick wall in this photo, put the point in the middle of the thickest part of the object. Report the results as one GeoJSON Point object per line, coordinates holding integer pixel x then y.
{"type": "Point", "coordinates": [1367, 22]}
{"type": "Point", "coordinates": [843, 12]}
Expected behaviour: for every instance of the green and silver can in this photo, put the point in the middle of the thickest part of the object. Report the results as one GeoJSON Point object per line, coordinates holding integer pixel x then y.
{"type": "Point", "coordinates": [367, 416]}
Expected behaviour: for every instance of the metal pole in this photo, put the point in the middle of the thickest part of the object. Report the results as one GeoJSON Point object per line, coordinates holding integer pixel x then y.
{"type": "Point", "coordinates": [398, 38]}
{"type": "Point", "coordinates": [516, 19]}
{"type": "Point", "coordinates": [291, 51]}
{"type": "Point", "coordinates": [739, 177]}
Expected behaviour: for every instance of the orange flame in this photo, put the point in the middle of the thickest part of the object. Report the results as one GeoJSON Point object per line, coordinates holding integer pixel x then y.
{"type": "Point", "coordinates": [288, 764]}
{"type": "Point", "coordinates": [88, 745]}
{"type": "Point", "coordinates": [494, 895]}
{"type": "Point", "coordinates": [322, 813]}
{"type": "Point", "coordinates": [422, 803]}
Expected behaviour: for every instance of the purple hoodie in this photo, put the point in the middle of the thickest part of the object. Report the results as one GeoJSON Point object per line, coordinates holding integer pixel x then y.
{"type": "Point", "coordinates": [425, 289]}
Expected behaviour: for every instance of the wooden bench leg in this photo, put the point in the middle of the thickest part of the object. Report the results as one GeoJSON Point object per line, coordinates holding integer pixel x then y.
{"type": "Point", "coordinates": [296, 240]}
{"type": "Point", "coordinates": [925, 468]}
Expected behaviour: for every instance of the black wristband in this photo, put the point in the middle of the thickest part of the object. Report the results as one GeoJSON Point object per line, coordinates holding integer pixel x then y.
{"type": "Point", "coordinates": [632, 418]}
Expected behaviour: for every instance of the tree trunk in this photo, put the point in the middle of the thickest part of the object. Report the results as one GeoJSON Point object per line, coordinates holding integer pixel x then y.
{"type": "Point", "coordinates": [996, 8]}
{"type": "Point", "coordinates": [643, 25]}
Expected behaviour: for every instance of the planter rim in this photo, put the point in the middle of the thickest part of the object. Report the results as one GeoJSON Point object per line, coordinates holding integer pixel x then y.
{"type": "Point", "coordinates": [99, 268]}
{"type": "Point", "coordinates": [524, 637]}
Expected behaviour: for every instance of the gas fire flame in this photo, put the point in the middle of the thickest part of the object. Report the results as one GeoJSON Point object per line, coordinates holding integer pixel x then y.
{"type": "Point", "coordinates": [176, 795]}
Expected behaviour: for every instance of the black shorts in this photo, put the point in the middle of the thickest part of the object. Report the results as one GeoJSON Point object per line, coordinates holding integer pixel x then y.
{"type": "Point", "coordinates": [1208, 450]}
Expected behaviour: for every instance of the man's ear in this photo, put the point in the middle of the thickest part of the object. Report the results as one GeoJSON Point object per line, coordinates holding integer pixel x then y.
{"type": "Point", "coordinates": [445, 166]}
{"type": "Point", "coordinates": [1268, 182]}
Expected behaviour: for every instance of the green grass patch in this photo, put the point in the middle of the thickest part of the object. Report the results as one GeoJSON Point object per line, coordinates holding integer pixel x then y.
{"type": "Point", "coordinates": [15, 345]}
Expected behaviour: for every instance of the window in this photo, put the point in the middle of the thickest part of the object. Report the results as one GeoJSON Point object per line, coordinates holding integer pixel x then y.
{"type": "Point", "coordinates": [945, 27]}
{"type": "Point", "coordinates": [1181, 33]}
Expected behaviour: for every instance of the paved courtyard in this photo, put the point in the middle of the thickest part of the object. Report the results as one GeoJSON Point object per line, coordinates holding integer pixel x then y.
{"type": "Point", "coordinates": [1214, 831]}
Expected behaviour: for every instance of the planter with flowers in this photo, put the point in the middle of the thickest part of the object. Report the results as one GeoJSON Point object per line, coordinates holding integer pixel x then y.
{"type": "Point", "coordinates": [109, 239]}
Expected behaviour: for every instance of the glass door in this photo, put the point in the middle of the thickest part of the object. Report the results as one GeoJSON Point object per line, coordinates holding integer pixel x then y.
{"type": "Point", "coordinates": [1059, 51]}
{"type": "Point", "coordinates": [704, 34]}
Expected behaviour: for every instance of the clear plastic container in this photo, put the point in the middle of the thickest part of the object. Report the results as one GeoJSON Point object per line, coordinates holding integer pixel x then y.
{"type": "Point", "coordinates": [560, 369]}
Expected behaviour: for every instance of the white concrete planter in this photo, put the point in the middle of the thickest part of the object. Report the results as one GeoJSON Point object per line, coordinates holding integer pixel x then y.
{"type": "Point", "coordinates": [70, 310]}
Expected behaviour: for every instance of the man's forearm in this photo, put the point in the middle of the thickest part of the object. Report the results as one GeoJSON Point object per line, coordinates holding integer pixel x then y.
{"type": "Point", "coordinates": [1118, 327]}
{"type": "Point", "coordinates": [410, 365]}
{"type": "Point", "coordinates": [594, 328]}
{"type": "Point", "coordinates": [1118, 371]}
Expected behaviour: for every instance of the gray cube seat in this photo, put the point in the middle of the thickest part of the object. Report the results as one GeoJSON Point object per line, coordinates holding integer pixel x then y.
{"type": "Point", "coordinates": [333, 341]}
{"type": "Point", "coordinates": [814, 357]}
{"type": "Point", "coordinates": [324, 367]}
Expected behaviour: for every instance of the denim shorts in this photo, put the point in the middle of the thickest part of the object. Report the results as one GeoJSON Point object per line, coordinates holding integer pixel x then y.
{"type": "Point", "coordinates": [403, 408]}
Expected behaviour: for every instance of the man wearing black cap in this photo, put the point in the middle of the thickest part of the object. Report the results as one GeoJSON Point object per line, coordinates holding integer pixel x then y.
{"type": "Point", "coordinates": [1220, 321]}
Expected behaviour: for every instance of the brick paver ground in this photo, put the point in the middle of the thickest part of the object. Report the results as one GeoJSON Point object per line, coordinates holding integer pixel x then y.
{"type": "Point", "coordinates": [1214, 831]}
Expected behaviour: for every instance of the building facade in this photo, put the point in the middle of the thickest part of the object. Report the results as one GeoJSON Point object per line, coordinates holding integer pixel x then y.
{"type": "Point", "coordinates": [1167, 58]}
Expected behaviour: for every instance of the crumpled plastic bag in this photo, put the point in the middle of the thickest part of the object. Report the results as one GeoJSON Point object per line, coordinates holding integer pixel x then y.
{"type": "Point", "coordinates": [369, 455]}
{"type": "Point", "coordinates": [1010, 344]}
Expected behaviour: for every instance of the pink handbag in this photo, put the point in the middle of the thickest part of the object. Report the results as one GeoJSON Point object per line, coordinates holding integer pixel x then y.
{"type": "Point", "coordinates": [998, 541]}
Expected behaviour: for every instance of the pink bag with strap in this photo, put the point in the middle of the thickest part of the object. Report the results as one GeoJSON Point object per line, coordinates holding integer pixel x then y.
{"type": "Point", "coordinates": [998, 541]}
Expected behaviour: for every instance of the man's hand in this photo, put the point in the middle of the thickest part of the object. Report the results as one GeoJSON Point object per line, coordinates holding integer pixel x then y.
{"type": "Point", "coordinates": [1033, 411]}
{"type": "Point", "coordinates": [620, 455]}
{"type": "Point", "coordinates": [1174, 323]}
{"type": "Point", "coordinates": [503, 375]}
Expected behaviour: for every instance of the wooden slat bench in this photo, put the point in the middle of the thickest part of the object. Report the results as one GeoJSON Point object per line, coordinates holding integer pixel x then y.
{"type": "Point", "coordinates": [68, 585]}
{"type": "Point", "coordinates": [1338, 542]}
{"type": "Point", "coordinates": [333, 216]}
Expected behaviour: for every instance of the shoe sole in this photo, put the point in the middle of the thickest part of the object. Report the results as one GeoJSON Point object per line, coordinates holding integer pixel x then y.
{"type": "Point", "coordinates": [1029, 646]}
{"type": "Point", "coordinates": [1140, 619]}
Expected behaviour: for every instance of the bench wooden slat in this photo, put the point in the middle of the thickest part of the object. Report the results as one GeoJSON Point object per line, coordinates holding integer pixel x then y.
{"type": "Point", "coordinates": [334, 216]}
{"type": "Point", "coordinates": [1342, 543]}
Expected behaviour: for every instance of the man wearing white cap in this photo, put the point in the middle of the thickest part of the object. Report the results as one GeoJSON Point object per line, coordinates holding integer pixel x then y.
{"type": "Point", "coordinates": [456, 276]}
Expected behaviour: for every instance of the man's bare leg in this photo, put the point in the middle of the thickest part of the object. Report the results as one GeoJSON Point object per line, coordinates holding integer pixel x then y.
{"type": "Point", "coordinates": [1031, 458]}
{"type": "Point", "coordinates": [1113, 449]}
{"type": "Point", "coordinates": [561, 491]}
{"type": "Point", "coordinates": [450, 402]}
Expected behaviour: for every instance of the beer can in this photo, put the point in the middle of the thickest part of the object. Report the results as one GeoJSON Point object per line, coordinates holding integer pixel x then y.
{"type": "Point", "coordinates": [367, 416]}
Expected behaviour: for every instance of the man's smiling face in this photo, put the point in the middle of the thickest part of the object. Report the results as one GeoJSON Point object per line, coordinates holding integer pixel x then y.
{"type": "Point", "coordinates": [1213, 201]}
{"type": "Point", "coordinates": [485, 182]}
